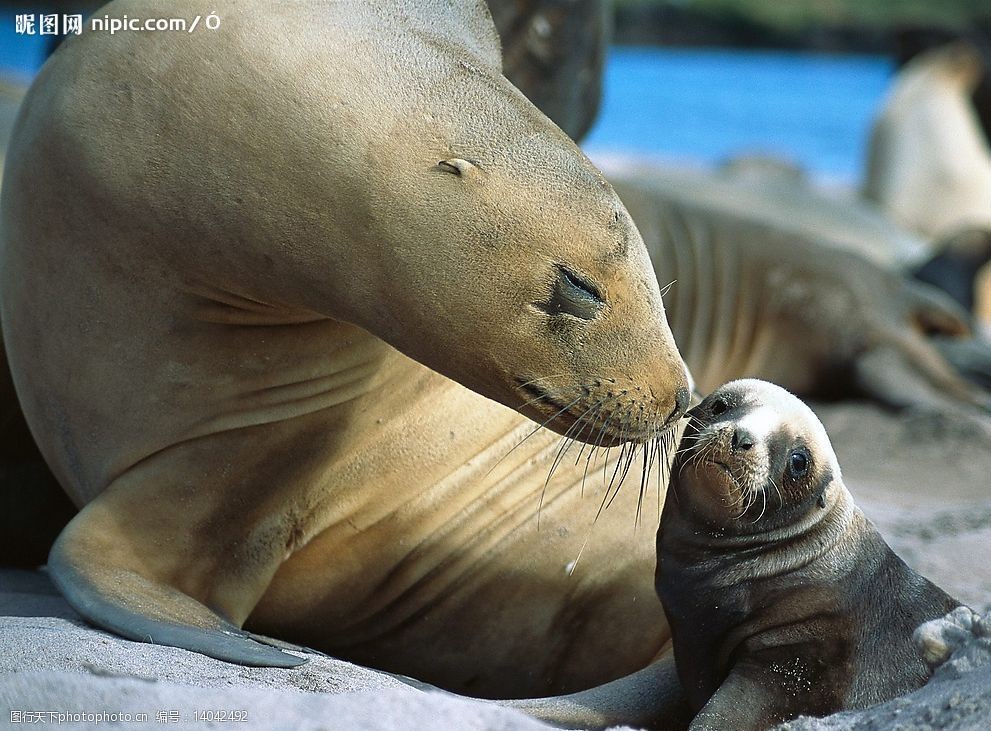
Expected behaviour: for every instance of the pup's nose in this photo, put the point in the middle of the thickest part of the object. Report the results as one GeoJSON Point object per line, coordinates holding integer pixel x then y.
{"type": "Point", "coordinates": [742, 440]}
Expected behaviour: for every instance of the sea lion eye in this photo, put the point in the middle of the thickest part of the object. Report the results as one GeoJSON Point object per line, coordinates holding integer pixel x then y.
{"type": "Point", "coordinates": [573, 295]}
{"type": "Point", "coordinates": [582, 286]}
{"type": "Point", "coordinates": [719, 406]}
{"type": "Point", "coordinates": [798, 464]}
{"type": "Point", "coordinates": [455, 166]}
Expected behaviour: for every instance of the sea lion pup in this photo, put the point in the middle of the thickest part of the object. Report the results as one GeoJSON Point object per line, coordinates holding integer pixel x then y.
{"type": "Point", "coordinates": [279, 296]}
{"type": "Point", "coordinates": [782, 598]}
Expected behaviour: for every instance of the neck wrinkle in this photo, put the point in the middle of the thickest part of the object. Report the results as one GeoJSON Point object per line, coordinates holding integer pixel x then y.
{"type": "Point", "coordinates": [730, 559]}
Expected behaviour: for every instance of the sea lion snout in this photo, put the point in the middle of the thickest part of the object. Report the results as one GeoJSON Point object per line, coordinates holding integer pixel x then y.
{"type": "Point", "coordinates": [735, 452]}
{"type": "Point", "coordinates": [589, 351]}
{"type": "Point", "coordinates": [535, 289]}
{"type": "Point", "coordinates": [743, 440]}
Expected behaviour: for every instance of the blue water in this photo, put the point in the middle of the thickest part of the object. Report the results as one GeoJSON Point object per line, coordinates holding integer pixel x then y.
{"type": "Point", "coordinates": [707, 105]}
{"type": "Point", "coordinates": [20, 55]}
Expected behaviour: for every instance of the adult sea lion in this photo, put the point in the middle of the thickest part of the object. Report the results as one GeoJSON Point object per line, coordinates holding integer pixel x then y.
{"type": "Point", "coordinates": [783, 599]}
{"type": "Point", "coordinates": [731, 238]}
{"type": "Point", "coordinates": [914, 40]}
{"type": "Point", "coordinates": [554, 52]}
{"type": "Point", "coordinates": [231, 259]}
{"type": "Point", "coordinates": [782, 199]}
{"type": "Point", "coordinates": [33, 507]}
{"type": "Point", "coordinates": [929, 165]}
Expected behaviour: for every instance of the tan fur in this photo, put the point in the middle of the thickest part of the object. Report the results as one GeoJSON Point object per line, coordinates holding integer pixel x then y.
{"type": "Point", "coordinates": [929, 165]}
{"type": "Point", "coordinates": [231, 260]}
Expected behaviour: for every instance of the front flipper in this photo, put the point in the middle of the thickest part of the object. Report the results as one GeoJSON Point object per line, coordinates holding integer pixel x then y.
{"type": "Point", "coordinates": [910, 364]}
{"type": "Point", "coordinates": [938, 640]}
{"type": "Point", "coordinates": [906, 377]}
{"type": "Point", "coordinates": [971, 357]}
{"type": "Point", "coordinates": [651, 697]}
{"type": "Point", "coordinates": [757, 696]}
{"type": "Point", "coordinates": [94, 575]}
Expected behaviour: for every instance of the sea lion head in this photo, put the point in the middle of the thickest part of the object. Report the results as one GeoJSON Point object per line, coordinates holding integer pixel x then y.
{"type": "Point", "coordinates": [397, 181]}
{"type": "Point", "coordinates": [514, 268]}
{"type": "Point", "coordinates": [754, 458]}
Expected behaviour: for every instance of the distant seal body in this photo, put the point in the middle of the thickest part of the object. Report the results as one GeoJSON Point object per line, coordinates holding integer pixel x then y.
{"type": "Point", "coordinates": [770, 288]}
{"type": "Point", "coordinates": [929, 165]}
{"type": "Point", "coordinates": [766, 191]}
{"type": "Point", "coordinates": [782, 598]}
{"type": "Point", "coordinates": [272, 297]}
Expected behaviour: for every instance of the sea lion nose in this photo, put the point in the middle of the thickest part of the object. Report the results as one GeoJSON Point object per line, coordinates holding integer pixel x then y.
{"type": "Point", "coordinates": [742, 440]}
{"type": "Point", "coordinates": [682, 400]}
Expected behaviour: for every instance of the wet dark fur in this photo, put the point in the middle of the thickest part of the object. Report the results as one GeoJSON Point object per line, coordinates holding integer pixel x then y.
{"type": "Point", "coordinates": [33, 507]}
{"type": "Point", "coordinates": [813, 640]}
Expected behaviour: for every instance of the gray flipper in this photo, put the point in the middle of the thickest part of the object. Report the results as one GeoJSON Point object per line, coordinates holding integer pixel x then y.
{"type": "Point", "coordinates": [132, 606]}
{"type": "Point", "coordinates": [971, 357]}
{"type": "Point", "coordinates": [651, 698]}
{"type": "Point", "coordinates": [746, 701]}
{"type": "Point", "coordinates": [903, 367]}
{"type": "Point", "coordinates": [282, 644]}
{"type": "Point", "coordinates": [893, 377]}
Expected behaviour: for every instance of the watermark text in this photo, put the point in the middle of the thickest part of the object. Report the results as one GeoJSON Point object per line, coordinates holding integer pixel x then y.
{"type": "Point", "coordinates": [57, 718]}
{"type": "Point", "coordinates": [56, 24]}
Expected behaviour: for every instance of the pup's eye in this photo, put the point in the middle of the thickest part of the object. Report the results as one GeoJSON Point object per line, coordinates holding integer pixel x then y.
{"type": "Point", "coordinates": [798, 464]}
{"type": "Point", "coordinates": [719, 406]}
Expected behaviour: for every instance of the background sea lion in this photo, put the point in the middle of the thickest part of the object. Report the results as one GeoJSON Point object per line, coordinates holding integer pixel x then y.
{"type": "Point", "coordinates": [759, 293]}
{"type": "Point", "coordinates": [914, 40]}
{"type": "Point", "coordinates": [554, 52]}
{"type": "Point", "coordinates": [783, 599]}
{"type": "Point", "coordinates": [782, 198]}
{"type": "Point", "coordinates": [701, 225]}
{"type": "Point", "coordinates": [956, 267]}
{"type": "Point", "coordinates": [929, 165]}
{"type": "Point", "coordinates": [206, 341]}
